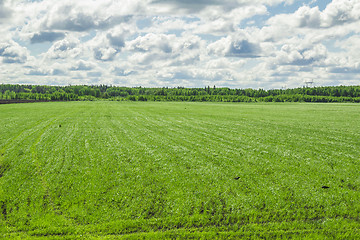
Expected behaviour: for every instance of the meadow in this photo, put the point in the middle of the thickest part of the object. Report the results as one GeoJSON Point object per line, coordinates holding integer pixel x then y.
{"type": "Point", "coordinates": [147, 170]}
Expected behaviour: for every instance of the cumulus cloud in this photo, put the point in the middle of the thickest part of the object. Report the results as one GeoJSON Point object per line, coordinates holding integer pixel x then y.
{"type": "Point", "coordinates": [66, 48]}
{"type": "Point", "coordinates": [108, 44]}
{"type": "Point", "coordinates": [5, 12]}
{"type": "Point", "coordinates": [351, 44]}
{"type": "Point", "coordinates": [179, 42]}
{"type": "Point", "coordinates": [346, 62]}
{"type": "Point", "coordinates": [105, 54]}
{"type": "Point", "coordinates": [151, 42]}
{"type": "Point", "coordinates": [80, 16]}
{"type": "Point", "coordinates": [196, 6]}
{"type": "Point", "coordinates": [168, 48]}
{"type": "Point", "coordinates": [223, 63]}
{"type": "Point", "coordinates": [94, 74]}
{"type": "Point", "coordinates": [46, 72]}
{"type": "Point", "coordinates": [122, 72]}
{"type": "Point", "coordinates": [235, 47]}
{"type": "Point", "coordinates": [46, 37]}
{"type": "Point", "coordinates": [338, 12]}
{"type": "Point", "coordinates": [163, 24]}
{"type": "Point", "coordinates": [303, 17]}
{"type": "Point", "coordinates": [217, 20]}
{"type": "Point", "coordinates": [82, 65]}
{"type": "Point", "coordinates": [346, 70]}
{"type": "Point", "coordinates": [301, 55]}
{"type": "Point", "coordinates": [12, 52]}
{"type": "Point", "coordinates": [213, 19]}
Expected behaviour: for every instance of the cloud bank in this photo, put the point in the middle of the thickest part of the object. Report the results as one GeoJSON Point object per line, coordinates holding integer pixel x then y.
{"type": "Point", "coordinates": [232, 43]}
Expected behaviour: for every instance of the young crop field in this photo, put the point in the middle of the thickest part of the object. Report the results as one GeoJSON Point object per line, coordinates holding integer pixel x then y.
{"type": "Point", "coordinates": [88, 170]}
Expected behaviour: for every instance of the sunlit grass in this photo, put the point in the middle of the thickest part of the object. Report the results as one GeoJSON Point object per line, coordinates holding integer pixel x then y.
{"type": "Point", "coordinates": [159, 170]}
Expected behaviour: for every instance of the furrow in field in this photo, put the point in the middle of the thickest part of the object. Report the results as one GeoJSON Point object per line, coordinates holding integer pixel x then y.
{"type": "Point", "coordinates": [212, 142]}
{"type": "Point", "coordinates": [18, 140]}
{"type": "Point", "coordinates": [179, 138]}
{"type": "Point", "coordinates": [119, 168]}
{"type": "Point", "coordinates": [34, 167]}
{"type": "Point", "coordinates": [39, 166]}
{"type": "Point", "coordinates": [193, 132]}
{"type": "Point", "coordinates": [181, 156]}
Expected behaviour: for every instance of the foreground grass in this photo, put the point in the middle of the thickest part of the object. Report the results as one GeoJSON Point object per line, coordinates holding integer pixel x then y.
{"type": "Point", "coordinates": [179, 170]}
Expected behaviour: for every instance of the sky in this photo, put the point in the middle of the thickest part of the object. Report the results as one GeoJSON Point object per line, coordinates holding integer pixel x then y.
{"type": "Point", "coordinates": [269, 44]}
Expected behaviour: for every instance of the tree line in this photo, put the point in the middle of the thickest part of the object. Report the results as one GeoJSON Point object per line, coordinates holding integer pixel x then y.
{"type": "Point", "coordinates": [206, 94]}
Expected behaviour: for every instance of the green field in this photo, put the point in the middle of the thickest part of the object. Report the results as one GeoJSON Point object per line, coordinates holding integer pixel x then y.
{"type": "Point", "coordinates": [136, 170]}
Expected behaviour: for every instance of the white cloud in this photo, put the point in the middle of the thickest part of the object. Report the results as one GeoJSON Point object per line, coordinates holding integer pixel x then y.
{"type": "Point", "coordinates": [165, 49]}
{"type": "Point", "coordinates": [235, 46]}
{"type": "Point", "coordinates": [46, 37]}
{"type": "Point", "coordinates": [80, 16]}
{"type": "Point", "coordinates": [82, 65]}
{"type": "Point", "coordinates": [53, 70]}
{"type": "Point", "coordinates": [5, 11]}
{"type": "Point", "coordinates": [351, 44]}
{"type": "Point", "coordinates": [105, 54]}
{"type": "Point", "coordinates": [163, 24]}
{"type": "Point", "coordinates": [347, 61]}
{"type": "Point", "coordinates": [218, 21]}
{"type": "Point", "coordinates": [179, 42]}
{"type": "Point", "coordinates": [106, 45]}
{"type": "Point", "coordinates": [338, 12]}
{"type": "Point", "coordinates": [67, 48]}
{"type": "Point", "coordinates": [12, 52]}
{"type": "Point", "coordinates": [223, 63]}
{"type": "Point", "coordinates": [152, 42]}
{"type": "Point", "coordinates": [301, 55]}
{"type": "Point", "coordinates": [188, 6]}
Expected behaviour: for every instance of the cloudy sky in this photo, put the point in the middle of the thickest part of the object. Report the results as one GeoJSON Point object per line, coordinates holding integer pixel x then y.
{"type": "Point", "coordinates": [191, 43]}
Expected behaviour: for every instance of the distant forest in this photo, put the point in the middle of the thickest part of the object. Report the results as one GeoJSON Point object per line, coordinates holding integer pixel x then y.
{"type": "Point", "coordinates": [28, 93]}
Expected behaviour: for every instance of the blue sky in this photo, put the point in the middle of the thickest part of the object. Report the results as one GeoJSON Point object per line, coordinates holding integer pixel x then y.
{"type": "Point", "coordinates": [154, 43]}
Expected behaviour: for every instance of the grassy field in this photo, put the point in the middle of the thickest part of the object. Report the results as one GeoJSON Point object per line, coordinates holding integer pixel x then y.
{"type": "Point", "coordinates": [179, 170]}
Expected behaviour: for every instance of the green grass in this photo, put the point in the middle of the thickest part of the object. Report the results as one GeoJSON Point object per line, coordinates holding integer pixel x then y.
{"type": "Point", "coordinates": [135, 170]}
